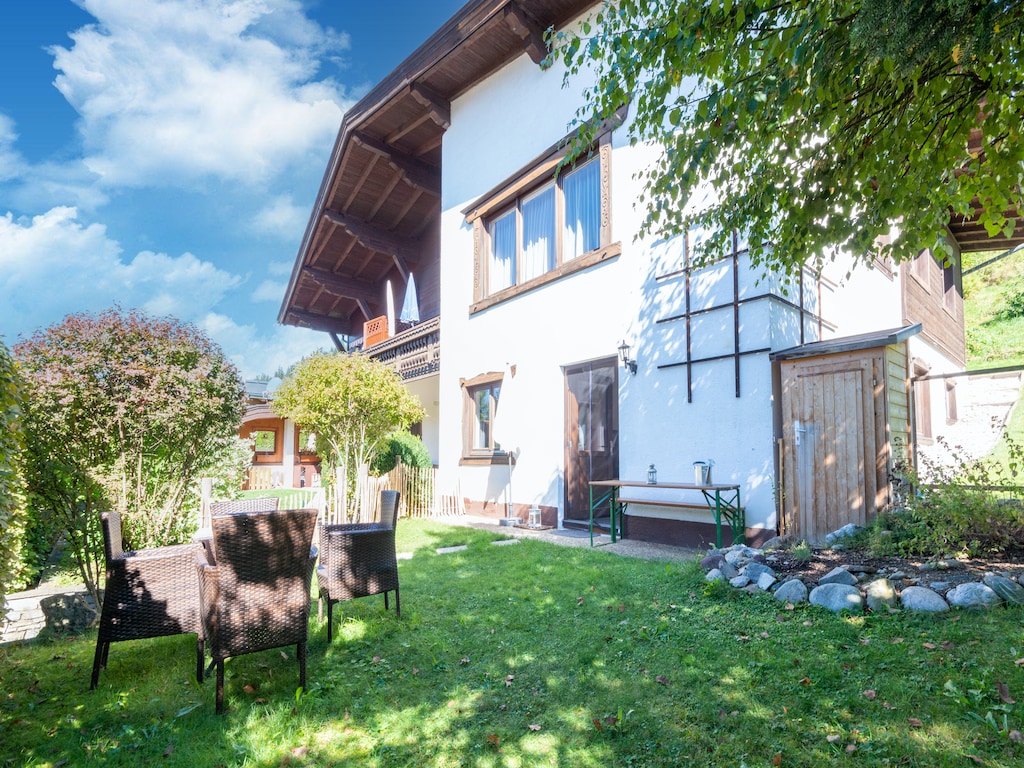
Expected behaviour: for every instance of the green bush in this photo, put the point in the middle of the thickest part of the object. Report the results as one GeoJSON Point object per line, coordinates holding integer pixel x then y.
{"type": "Point", "coordinates": [401, 445]}
{"type": "Point", "coordinates": [12, 496]}
{"type": "Point", "coordinates": [961, 509]}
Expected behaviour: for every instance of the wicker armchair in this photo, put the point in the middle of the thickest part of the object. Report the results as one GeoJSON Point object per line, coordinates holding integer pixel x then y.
{"type": "Point", "coordinates": [261, 504]}
{"type": "Point", "coordinates": [358, 560]}
{"type": "Point", "coordinates": [256, 595]}
{"type": "Point", "coordinates": [149, 593]}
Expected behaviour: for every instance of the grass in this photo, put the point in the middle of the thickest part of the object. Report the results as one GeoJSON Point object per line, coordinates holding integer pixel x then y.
{"type": "Point", "coordinates": [992, 296]}
{"type": "Point", "coordinates": [540, 655]}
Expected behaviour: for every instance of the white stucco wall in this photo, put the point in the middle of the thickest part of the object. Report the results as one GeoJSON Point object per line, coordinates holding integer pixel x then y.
{"type": "Point", "coordinates": [425, 390]}
{"type": "Point", "coordinates": [497, 129]}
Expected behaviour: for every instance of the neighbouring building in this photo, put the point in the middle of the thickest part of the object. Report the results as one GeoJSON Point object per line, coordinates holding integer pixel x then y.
{"type": "Point", "coordinates": [284, 455]}
{"type": "Point", "coordinates": [574, 351]}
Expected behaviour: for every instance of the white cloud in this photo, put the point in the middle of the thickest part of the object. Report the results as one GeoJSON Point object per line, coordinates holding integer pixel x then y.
{"type": "Point", "coordinates": [11, 163]}
{"type": "Point", "coordinates": [256, 352]}
{"type": "Point", "coordinates": [280, 268]}
{"type": "Point", "coordinates": [269, 290]}
{"type": "Point", "coordinates": [53, 265]}
{"type": "Point", "coordinates": [172, 91]}
{"type": "Point", "coordinates": [281, 217]}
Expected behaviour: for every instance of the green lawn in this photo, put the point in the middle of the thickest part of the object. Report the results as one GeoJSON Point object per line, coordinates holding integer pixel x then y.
{"type": "Point", "coordinates": [539, 655]}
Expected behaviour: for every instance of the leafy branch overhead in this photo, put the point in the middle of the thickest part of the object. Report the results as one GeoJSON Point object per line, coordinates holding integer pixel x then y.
{"type": "Point", "coordinates": [819, 126]}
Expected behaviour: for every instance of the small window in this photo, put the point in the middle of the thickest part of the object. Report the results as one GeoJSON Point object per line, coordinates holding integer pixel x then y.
{"type": "Point", "coordinates": [480, 397]}
{"type": "Point", "coordinates": [949, 287]}
{"type": "Point", "coordinates": [265, 441]}
{"type": "Point", "coordinates": [485, 406]}
{"type": "Point", "coordinates": [306, 444]}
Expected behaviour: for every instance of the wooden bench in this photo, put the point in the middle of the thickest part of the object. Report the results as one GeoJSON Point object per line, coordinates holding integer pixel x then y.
{"type": "Point", "coordinates": [722, 501]}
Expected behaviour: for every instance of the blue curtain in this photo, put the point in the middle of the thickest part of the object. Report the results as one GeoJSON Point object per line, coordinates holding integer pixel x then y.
{"type": "Point", "coordinates": [501, 272]}
{"type": "Point", "coordinates": [582, 189]}
{"type": "Point", "coordinates": [539, 233]}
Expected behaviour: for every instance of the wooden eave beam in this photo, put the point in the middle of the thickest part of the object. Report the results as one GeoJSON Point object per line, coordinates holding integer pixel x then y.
{"type": "Point", "coordinates": [320, 322]}
{"type": "Point", "coordinates": [439, 109]}
{"type": "Point", "coordinates": [344, 287]}
{"type": "Point", "coordinates": [373, 237]}
{"type": "Point", "coordinates": [529, 29]}
{"type": "Point", "coordinates": [417, 173]}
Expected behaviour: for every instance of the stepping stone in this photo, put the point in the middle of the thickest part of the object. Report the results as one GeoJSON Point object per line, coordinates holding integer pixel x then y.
{"type": "Point", "coordinates": [504, 542]}
{"type": "Point", "coordinates": [403, 556]}
{"type": "Point", "coordinates": [449, 550]}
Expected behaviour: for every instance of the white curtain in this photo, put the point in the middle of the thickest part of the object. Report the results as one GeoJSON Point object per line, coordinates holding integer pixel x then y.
{"type": "Point", "coordinates": [582, 189]}
{"type": "Point", "coordinates": [501, 272]}
{"type": "Point", "coordinates": [539, 233]}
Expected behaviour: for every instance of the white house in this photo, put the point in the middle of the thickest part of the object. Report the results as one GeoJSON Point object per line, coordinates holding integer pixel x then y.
{"type": "Point", "coordinates": [797, 390]}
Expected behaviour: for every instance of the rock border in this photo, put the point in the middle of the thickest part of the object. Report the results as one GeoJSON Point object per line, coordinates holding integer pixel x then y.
{"type": "Point", "coordinates": [856, 588]}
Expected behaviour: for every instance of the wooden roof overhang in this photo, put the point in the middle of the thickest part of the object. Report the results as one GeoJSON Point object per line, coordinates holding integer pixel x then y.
{"type": "Point", "coordinates": [969, 234]}
{"type": "Point", "coordinates": [381, 193]}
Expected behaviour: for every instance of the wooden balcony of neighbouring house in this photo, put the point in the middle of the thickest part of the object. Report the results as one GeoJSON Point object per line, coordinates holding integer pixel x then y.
{"type": "Point", "coordinates": [413, 352]}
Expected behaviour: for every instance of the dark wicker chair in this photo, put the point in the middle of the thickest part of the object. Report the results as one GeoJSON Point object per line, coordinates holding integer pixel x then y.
{"type": "Point", "coordinates": [257, 594]}
{"type": "Point", "coordinates": [358, 560]}
{"type": "Point", "coordinates": [261, 504]}
{"type": "Point", "coordinates": [149, 593]}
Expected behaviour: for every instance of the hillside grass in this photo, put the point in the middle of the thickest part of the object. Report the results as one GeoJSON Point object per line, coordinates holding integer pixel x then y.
{"type": "Point", "coordinates": [534, 654]}
{"type": "Point", "coordinates": [994, 311]}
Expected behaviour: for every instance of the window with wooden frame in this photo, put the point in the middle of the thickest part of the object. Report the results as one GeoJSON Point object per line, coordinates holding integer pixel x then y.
{"type": "Point", "coordinates": [543, 224]}
{"type": "Point", "coordinates": [480, 397]}
{"type": "Point", "coordinates": [305, 446]}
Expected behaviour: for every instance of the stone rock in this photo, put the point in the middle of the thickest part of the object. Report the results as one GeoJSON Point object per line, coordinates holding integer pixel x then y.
{"type": "Point", "coordinates": [784, 542]}
{"type": "Point", "coordinates": [940, 586]}
{"type": "Point", "coordinates": [838, 575]}
{"type": "Point", "coordinates": [847, 530]}
{"type": "Point", "coordinates": [881, 595]}
{"type": "Point", "coordinates": [714, 575]}
{"type": "Point", "coordinates": [751, 589]}
{"type": "Point", "coordinates": [973, 594]}
{"type": "Point", "coordinates": [739, 581]}
{"type": "Point", "coordinates": [714, 560]}
{"type": "Point", "coordinates": [837, 597]}
{"type": "Point", "coordinates": [923, 599]}
{"type": "Point", "coordinates": [68, 613]}
{"type": "Point", "coordinates": [1010, 591]}
{"type": "Point", "coordinates": [753, 571]}
{"type": "Point", "coordinates": [728, 570]}
{"type": "Point", "coordinates": [765, 581]}
{"type": "Point", "coordinates": [792, 591]}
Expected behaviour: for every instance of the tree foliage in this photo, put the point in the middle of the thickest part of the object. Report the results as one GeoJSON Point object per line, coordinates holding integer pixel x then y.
{"type": "Point", "coordinates": [818, 125]}
{"type": "Point", "coordinates": [352, 402]}
{"type": "Point", "coordinates": [12, 495]}
{"type": "Point", "coordinates": [125, 410]}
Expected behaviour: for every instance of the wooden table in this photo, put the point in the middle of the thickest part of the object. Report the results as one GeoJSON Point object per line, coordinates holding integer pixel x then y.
{"type": "Point", "coordinates": [721, 500]}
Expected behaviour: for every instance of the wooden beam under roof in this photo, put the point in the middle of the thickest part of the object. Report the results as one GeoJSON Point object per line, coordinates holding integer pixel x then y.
{"type": "Point", "coordinates": [320, 322]}
{"type": "Point", "coordinates": [416, 172]}
{"type": "Point", "coordinates": [439, 109]}
{"type": "Point", "coordinates": [345, 287]}
{"type": "Point", "coordinates": [374, 238]}
{"type": "Point", "coordinates": [529, 29]}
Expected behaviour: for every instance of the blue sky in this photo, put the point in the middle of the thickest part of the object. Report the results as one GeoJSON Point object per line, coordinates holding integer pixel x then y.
{"type": "Point", "coordinates": [165, 154]}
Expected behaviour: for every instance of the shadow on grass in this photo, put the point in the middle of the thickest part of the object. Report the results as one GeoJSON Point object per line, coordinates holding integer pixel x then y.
{"type": "Point", "coordinates": [534, 654]}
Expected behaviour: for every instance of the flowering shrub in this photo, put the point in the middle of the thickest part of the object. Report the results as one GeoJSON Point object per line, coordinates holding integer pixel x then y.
{"type": "Point", "coordinates": [125, 411]}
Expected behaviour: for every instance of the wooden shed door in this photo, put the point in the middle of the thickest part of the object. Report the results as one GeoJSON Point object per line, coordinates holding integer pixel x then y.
{"type": "Point", "coordinates": [830, 445]}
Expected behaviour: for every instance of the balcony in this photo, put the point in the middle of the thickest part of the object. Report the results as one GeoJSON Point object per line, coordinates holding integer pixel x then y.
{"type": "Point", "coordinates": [413, 353]}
